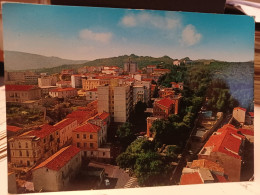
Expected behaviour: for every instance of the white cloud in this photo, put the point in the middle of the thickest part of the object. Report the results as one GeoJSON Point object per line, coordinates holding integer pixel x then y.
{"type": "Point", "coordinates": [190, 36]}
{"type": "Point", "coordinates": [104, 37]}
{"type": "Point", "coordinates": [146, 19]}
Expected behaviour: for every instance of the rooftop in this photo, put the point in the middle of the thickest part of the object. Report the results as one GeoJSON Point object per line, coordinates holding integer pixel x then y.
{"type": "Point", "coordinates": [91, 128]}
{"type": "Point", "coordinates": [43, 131]}
{"type": "Point", "coordinates": [63, 89]}
{"type": "Point", "coordinates": [59, 159]}
{"type": "Point", "coordinates": [203, 163]}
{"type": "Point", "coordinates": [19, 87]}
{"type": "Point", "coordinates": [191, 178]}
{"type": "Point", "coordinates": [64, 123]}
{"type": "Point", "coordinates": [13, 128]}
{"type": "Point", "coordinates": [166, 102]}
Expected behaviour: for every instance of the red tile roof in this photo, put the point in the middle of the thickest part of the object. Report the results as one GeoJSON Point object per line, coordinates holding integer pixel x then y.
{"type": "Point", "coordinates": [166, 102]}
{"type": "Point", "coordinates": [204, 163]}
{"type": "Point", "coordinates": [19, 87]}
{"type": "Point", "coordinates": [13, 128]}
{"type": "Point", "coordinates": [63, 89]}
{"type": "Point", "coordinates": [240, 108]}
{"type": "Point", "coordinates": [251, 114]}
{"type": "Point", "coordinates": [104, 115]}
{"type": "Point", "coordinates": [191, 178]}
{"type": "Point", "coordinates": [43, 131]}
{"type": "Point", "coordinates": [59, 159]}
{"type": "Point", "coordinates": [64, 123]}
{"type": "Point", "coordinates": [226, 140]}
{"type": "Point", "coordinates": [247, 131]}
{"type": "Point", "coordinates": [146, 79]}
{"type": "Point", "coordinates": [91, 128]}
{"type": "Point", "coordinates": [220, 178]}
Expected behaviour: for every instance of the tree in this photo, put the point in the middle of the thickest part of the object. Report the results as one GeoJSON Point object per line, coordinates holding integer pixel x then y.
{"type": "Point", "coordinates": [125, 134]}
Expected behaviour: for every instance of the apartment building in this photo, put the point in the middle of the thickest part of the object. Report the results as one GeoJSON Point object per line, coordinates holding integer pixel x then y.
{"type": "Point", "coordinates": [130, 66]}
{"type": "Point", "coordinates": [63, 92]}
{"type": "Point", "coordinates": [76, 81]}
{"type": "Point", "coordinates": [47, 80]}
{"type": "Point", "coordinates": [116, 99]}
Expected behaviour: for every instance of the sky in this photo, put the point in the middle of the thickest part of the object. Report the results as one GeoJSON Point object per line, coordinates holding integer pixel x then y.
{"type": "Point", "coordinates": [88, 33]}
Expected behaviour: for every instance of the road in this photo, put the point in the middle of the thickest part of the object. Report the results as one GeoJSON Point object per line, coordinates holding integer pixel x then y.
{"type": "Point", "coordinates": [123, 180]}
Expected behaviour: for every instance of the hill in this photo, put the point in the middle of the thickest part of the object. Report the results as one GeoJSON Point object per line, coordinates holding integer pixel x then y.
{"type": "Point", "coordinates": [23, 61]}
{"type": "Point", "coordinates": [119, 61]}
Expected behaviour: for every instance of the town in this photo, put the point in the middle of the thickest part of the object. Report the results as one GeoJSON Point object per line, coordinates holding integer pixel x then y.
{"type": "Point", "coordinates": [108, 127]}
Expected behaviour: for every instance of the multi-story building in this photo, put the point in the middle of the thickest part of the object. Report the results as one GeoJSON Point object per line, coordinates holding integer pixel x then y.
{"type": "Point", "coordinates": [22, 93]}
{"type": "Point", "coordinates": [115, 99]}
{"type": "Point", "coordinates": [141, 91]}
{"type": "Point", "coordinates": [63, 84]}
{"type": "Point", "coordinates": [76, 81]}
{"type": "Point", "coordinates": [88, 84]}
{"type": "Point", "coordinates": [47, 80]}
{"type": "Point", "coordinates": [65, 128]}
{"type": "Point", "coordinates": [63, 92]}
{"type": "Point", "coordinates": [130, 66]}
{"type": "Point", "coordinates": [29, 78]}
{"type": "Point", "coordinates": [225, 148]}
{"type": "Point", "coordinates": [91, 95]}
{"type": "Point", "coordinates": [55, 173]}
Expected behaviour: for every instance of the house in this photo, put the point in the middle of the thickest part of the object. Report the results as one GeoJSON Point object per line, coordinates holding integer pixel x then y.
{"type": "Point", "coordinates": [239, 114]}
{"type": "Point", "coordinates": [22, 93]}
{"type": "Point", "coordinates": [225, 148]}
{"type": "Point", "coordinates": [57, 171]}
{"type": "Point", "coordinates": [76, 81]}
{"type": "Point", "coordinates": [63, 92]}
{"type": "Point", "coordinates": [165, 107]}
{"type": "Point", "coordinates": [176, 62]}
{"type": "Point", "coordinates": [88, 138]}
{"type": "Point", "coordinates": [166, 92]}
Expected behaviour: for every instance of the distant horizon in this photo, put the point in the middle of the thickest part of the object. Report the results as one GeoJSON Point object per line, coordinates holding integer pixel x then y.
{"type": "Point", "coordinates": [126, 55]}
{"type": "Point", "coordinates": [80, 33]}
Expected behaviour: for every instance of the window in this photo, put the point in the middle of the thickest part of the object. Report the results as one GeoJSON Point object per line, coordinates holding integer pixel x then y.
{"type": "Point", "coordinates": [27, 153]}
{"type": "Point", "coordinates": [19, 145]}
{"type": "Point", "coordinates": [13, 153]}
{"type": "Point", "coordinates": [77, 135]}
{"type": "Point", "coordinates": [78, 144]}
{"type": "Point", "coordinates": [84, 136]}
{"type": "Point", "coordinates": [12, 145]}
{"type": "Point", "coordinates": [26, 145]}
{"type": "Point", "coordinates": [91, 136]}
{"type": "Point", "coordinates": [20, 153]}
{"type": "Point", "coordinates": [85, 145]}
{"type": "Point", "coordinates": [104, 153]}
{"type": "Point", "coordinates": [91, 145]}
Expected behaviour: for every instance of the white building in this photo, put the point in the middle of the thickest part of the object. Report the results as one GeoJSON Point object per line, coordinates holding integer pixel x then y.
{"type": "Point", "coordinates": [63, 92]}
{"type": "Point", "coordinates": [55, 173]}
{"type": "Point", "coordinates": [76, 81]}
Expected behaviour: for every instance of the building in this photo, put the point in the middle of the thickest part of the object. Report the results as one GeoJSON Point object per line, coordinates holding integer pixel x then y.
{"type": "Point", "coordinates": [130, 67]}
{"type": "Point", "coordinates": [225, 148]}
{"type": "Point", "coordinates": [63, 93]}
{"type": "Point", "coordinates": [165, 107]}
{"type": "Point", "coordinates": [161, 71]}
{"type": "Point", "coordinates": [114, 70]}
{"type": "Point", "coordinates": [65, 128]}
{"type": "Point", "coordinates": [239, 114]}
{"type": "Point", "coordinates": [176, 62]}
{"type": "Point", "coordinates": [141, 92]}
{"type": "Point", "coordinates": [89, 138]}
{"type": "Point", "coordinates": [115, 99]}
{"type": "Point", "coordinates": [63, 84]}
{"type": "Point", "coordinates": [76, 81]}
{"type": "Point", "coordinates": [166, 93]}
{"type": "Point", "coordinates": [57, 171]}
{"type": "Point", "coordinates": [28, 78]}
{"type": "Point", "coordinates": [150, 68]}
{"type": "Point", "coordinates": [47, 80]}
{"type": "Point", "coordinates": [88, 84]}
{"type": "Point", "coordinates": [177, 85]}
{"type": "Point", "coordinates": [91, 94]}
{"type": "Point", "coordinates": [22, 93]}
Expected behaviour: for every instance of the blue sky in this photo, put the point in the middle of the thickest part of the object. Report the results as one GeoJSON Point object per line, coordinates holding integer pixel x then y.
{"type": "Point", "coordinates": [89, 33]}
